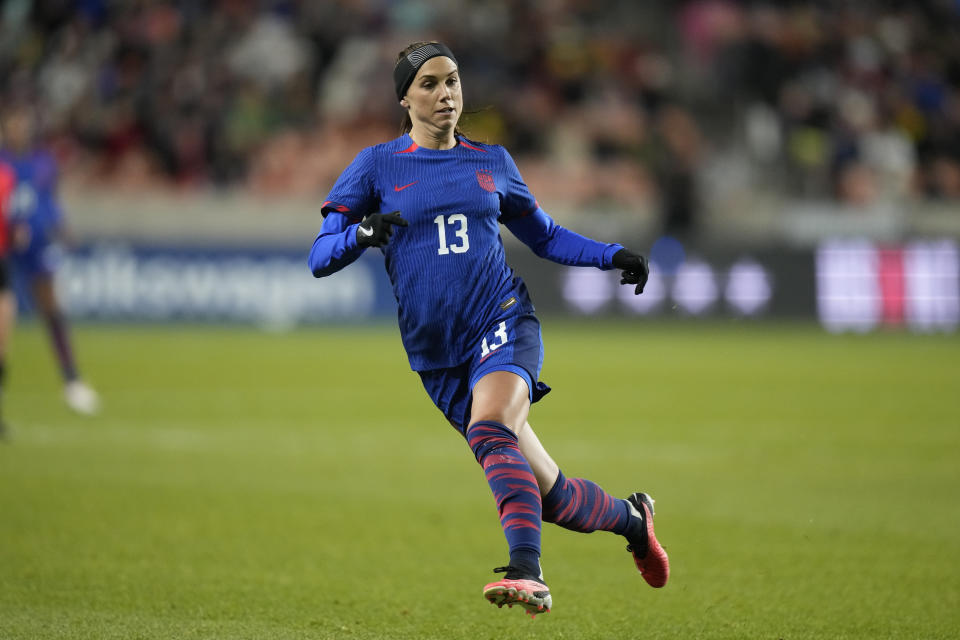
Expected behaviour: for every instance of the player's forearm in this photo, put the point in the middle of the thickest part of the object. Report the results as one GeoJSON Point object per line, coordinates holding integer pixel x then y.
{"type": "Point", "coordinates": [553, 242]}
{"type": "Point", "coordinates": [333, 251]}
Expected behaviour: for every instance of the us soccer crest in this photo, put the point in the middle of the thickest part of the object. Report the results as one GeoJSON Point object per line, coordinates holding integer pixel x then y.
{"type": "Point", "coordinates": [485, 178]}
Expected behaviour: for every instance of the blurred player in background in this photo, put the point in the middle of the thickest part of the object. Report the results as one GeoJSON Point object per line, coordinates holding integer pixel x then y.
{"type": "Point", "coordinates": [8, 181]}
{"type": "Point", "coordinates": [466, 320]}
{"type": "Point", "coordinates": [36, 227]}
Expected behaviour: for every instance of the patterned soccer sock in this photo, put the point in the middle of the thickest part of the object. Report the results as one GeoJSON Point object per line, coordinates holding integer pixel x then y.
{"type": "Point", "coordinates": [515, 489]}
{"type": "Point", "coordinates": [581, 505]}
{"type": "Point", "coordinates": [57, 326]}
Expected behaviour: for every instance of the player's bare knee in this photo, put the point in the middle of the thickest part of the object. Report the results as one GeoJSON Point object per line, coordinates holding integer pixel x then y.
{"type": "Point", "coordinates": [508, 418]}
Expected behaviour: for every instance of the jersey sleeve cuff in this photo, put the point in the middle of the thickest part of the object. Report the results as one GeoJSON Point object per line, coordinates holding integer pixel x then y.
{"type": "Point", "coordinates": [335, 207]}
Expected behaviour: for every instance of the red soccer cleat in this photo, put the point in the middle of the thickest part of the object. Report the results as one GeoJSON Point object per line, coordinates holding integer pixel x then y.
{"type": "Point", "coordinates": [648, 555]}
{"type": "Point", "coordinates": [515, 588]}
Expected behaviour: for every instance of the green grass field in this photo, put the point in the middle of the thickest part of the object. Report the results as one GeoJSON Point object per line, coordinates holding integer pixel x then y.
{"type": "Point", "coordinates": [241, 484]}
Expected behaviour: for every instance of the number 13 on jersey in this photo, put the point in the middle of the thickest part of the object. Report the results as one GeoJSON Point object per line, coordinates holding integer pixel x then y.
{"type": "Point", "coordinates": [461, 241]}
{"type": "Point", "coordinates": [500, 338]}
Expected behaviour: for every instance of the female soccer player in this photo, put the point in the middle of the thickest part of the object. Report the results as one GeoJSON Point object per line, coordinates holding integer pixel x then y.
{"type": "Point", "coordinates": [36, 222]}
{"type": "Point", "coordinates": [466, 321]}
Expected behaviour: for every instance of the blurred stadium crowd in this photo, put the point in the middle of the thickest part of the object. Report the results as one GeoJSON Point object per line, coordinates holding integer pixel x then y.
{"type": "Point", "coordinates": [606, 104]}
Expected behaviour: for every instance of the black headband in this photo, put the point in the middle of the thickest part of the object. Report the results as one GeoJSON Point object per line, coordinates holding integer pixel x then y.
{"type": "Point", "coordinates": [409, 64]}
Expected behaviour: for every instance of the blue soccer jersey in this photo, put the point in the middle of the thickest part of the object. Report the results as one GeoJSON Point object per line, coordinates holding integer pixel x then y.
{"type": "Point", "coordinates": [448, 267]}
{"type": "Point", "coordinates": [34, 201]}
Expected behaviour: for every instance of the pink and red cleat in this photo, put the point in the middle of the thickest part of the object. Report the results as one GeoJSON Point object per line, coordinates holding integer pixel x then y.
{"type": "Point", "coordinates": [515, 588]}
{"type": "Point", "coordinates": [648, 555]}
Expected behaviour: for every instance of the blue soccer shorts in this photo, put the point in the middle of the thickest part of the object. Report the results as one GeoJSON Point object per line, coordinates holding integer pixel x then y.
{"type": "Point", "coordinates": [512, 344]}
{"type": "Point", "coordinates": [40, 258]}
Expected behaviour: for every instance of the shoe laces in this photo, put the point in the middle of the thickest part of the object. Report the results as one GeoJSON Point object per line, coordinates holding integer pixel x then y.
{"type": "Point", "coordinates": [515, 573]}
{"type": "Point", "coordinates": [509, 569]}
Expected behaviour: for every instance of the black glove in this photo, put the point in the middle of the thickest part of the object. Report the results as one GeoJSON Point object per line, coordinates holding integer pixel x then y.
{"type": "Point", "coordinates": [635, 269]}
{"type": "Point", "coordinates": [376, 229]}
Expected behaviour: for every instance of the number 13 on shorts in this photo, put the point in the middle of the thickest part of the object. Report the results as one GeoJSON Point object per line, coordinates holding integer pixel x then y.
{"type": "Point", "coordinates": [500, 338]}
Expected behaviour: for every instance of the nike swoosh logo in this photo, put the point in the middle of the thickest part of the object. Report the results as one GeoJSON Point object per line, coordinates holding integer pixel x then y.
{"type": "Point", "coordinates": [396, 188]}
{"type": "Point", "coordinates": [365, 231]}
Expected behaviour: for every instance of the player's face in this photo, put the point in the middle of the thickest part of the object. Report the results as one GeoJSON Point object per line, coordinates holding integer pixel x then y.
{"type": "Point", "coordinates": [434, 100]}
{"type": "Point", "coordinates": [17, 129]}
